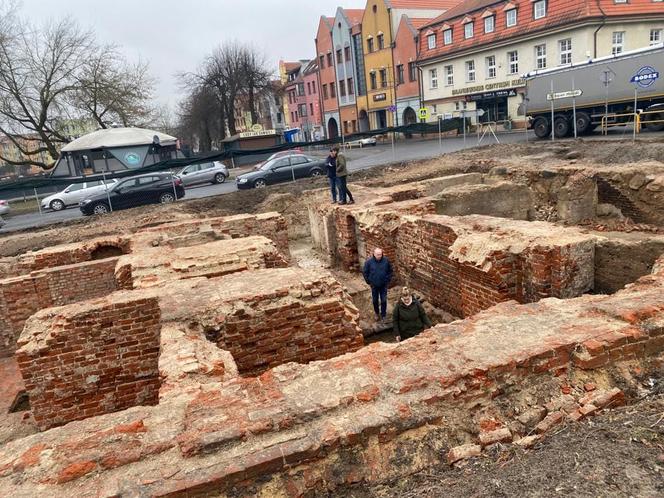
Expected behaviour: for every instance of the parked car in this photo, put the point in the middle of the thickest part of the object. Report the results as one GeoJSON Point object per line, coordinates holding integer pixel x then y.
{"type": "Point", "coordinates": [283, 153]}
{"type": "Point", "coordinates": [212, 172]}
{"type": "Point", "coordinates": [151, 188]}
{"type": "Point", "coordinates": [281, 169]}
{"type": "Point", "coordinates": [362, 142]}
{"type": "Point", "coordinates": [4, 207]}
{"type": "Point", "coordinates": [74, 194]}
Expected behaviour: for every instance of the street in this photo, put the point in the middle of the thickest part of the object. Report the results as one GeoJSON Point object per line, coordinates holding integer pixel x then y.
{"type": "Point", "coordinates": [359, 158]}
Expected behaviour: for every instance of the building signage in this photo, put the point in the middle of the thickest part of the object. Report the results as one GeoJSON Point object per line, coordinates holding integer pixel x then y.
{"type": "Point", "coordinates": [257, 127]}
{"type": "Point", "coordinates": [380, 97]}
{"type": "Point", "coordinates": [564, 95]}
{"type": "Point", "coordinates": [645, 77]}
{"type": "Point", "coordinates": [491, 95]}
{"type": "Point", "coordinates": [489, 86]}
{"type": "Point", "coordinates": [132, 158]}
{"type": "Point", "coordinates": [249, 134]}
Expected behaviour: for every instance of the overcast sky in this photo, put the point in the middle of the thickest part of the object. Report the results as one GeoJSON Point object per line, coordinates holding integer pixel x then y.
{"type": "Point", "coordinates": [176, 35]}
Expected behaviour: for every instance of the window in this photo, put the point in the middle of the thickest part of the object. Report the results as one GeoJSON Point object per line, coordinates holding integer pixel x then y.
{"type": "Point", "coordinates": [447, 37]}
{"type": "Point", "coordinates": [333, 93]}
{"type": "Point", "coordinates": [489, 24]}
{"type": "Point", "coordinates": [539, 9]}
{"type": "Point", "coordinates": [300, 89]}
{"type": "Point", "coordinates": [347, 54]}
{"type": "Point", "coordinates": [321, 62]}
{"type": "Point", "coordinates": [540, 56]}
{"type": "Point", "coordinates": [339, 57]}
{"type": "Point", "coordinates": [412, 71]}
{"type": "Point", "coordinates": [513, 61]}
{"type": "Point", "coordinates": [372, 78]}
{"type": "Point", "coordinates": [565, 51]}
{"type": "Point", "coordinates": [431, 41]}
{"type": "Point", "coordinates": [370, 45]}
{"type": "Point", "coordinates": [302, 110]}
{"type": "Point", "coordinates": [510, 17]}
{"type": "Point", "coordinates": [311, 109]}
{"type": "Point", "coordinates": [491, 66]}
{"type": "Point", "coordinates": [329, 59]}
{"type": "Point", "coordinates": [325, 95]}
{"type": "Point", "coordinates": [655, 36]}
{"type": "Point", "coordinates": [351, 87]}
{"type": "Point", "coordinates": [313, 86]}
{"type": "Point", "coordinates": [618, 42]}
{"type": "Point", "coordinates": [470, 71]}
{"type": "Point", "coordinates": [468, 30]}
{"type": "Point", "coordinates": [342, 88]}
{"type": "Point", "coordinates": [400, 74]}
{"type": "Point", "coordinates": [449, 75]}
{"type": "Point", "coordinates": [295, 160]}
{"type": "Point", "coordinates": [625, 1]}
{"type": "Point", "coordinates": [383, 78]}
{"type": "Point", "coordinates": [381, 42]}
{"type": "Point", "coordinates": [309, 87]}
{"type": "Point", "coordinates": [433, 78]}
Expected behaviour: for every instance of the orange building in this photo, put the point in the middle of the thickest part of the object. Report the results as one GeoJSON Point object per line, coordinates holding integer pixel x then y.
{"type": "Point", "coordinates": [327, 76]}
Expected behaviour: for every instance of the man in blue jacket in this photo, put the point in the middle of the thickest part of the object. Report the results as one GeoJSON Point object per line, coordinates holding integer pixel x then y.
{"type": "Point", "coordinates": [378, 274]}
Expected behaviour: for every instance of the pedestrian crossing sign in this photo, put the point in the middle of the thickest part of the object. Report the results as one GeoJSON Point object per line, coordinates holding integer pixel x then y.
{"type": "Point", "coordinates": [424, 113]}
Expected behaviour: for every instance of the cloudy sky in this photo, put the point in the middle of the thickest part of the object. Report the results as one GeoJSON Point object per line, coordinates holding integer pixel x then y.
{"type": "Point", "coordinates": [175, 35]}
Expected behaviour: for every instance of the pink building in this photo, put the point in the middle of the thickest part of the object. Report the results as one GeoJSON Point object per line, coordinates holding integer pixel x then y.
{"type": "Point", "coordinates": [312, 122]}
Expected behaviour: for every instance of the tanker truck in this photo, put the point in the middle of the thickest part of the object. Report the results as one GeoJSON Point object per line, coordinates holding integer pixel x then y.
{"type": "Point", "coordinates": [606, 86]}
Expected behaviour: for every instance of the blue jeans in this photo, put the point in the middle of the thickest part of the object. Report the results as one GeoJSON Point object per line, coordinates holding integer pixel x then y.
{"type": "Point", "coordinates": [344, 193]}
{"type": "Point", "coordinates": [333, 187]}
{"type": "Point", "coordinates": [376, 293]}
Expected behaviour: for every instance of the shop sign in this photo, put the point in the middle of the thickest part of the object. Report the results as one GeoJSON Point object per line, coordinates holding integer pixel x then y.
{"type": "Point", "coordinates": [379, 97]}
{"type": "Point", "coordinates": [249, 134]}
{"type": "Point", "coordinates": [491, 95]}
{"type": "Point", "coordinates": [489, 87]}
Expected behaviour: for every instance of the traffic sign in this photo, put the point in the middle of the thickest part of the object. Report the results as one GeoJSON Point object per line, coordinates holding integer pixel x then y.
{"type": "Point", "coordinates": [424, 113]}
{"type": "Point", "coordinates": [564, 95]}
{"type": "Point", "coordinates": [392, 108]}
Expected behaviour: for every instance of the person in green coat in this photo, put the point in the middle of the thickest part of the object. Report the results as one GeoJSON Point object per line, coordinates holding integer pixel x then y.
{"type": "Point", "coordinates": [409, 317]}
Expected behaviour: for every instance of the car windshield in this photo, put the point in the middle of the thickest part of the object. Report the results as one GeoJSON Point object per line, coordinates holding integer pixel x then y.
{"type": "Point", "coordinates": [266, 165]}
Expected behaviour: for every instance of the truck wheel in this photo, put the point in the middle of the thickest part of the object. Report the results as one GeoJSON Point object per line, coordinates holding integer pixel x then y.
{"type": "Point", "coordinates": [541, 127]}
{"type": "Point", "coordinates": [582, 123]}
{"type": "Point", "coordinates": [561, 127]}
{"type": "Point", "coordinates": [655, 126]}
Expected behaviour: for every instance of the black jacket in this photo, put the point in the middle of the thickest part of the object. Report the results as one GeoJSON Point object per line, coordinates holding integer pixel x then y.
{"type": "Point", "coordinates": [408, 321]}
{"type": "Point", "coordinates": [377, 273]}
{"type": "Point", "coordinates": [331, 164]}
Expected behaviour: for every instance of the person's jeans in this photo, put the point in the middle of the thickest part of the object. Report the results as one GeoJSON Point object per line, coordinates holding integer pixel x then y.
{"type": "Point", "coordinates": [376, 294]}
{"type": "Point", "coordinates": [333, 188]}
{"type": "Point", "coordinates": [344, 193]}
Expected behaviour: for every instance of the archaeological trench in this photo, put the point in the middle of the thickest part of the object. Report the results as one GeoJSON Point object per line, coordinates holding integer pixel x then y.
{"type": "Point", "coordinates": [198, 357]}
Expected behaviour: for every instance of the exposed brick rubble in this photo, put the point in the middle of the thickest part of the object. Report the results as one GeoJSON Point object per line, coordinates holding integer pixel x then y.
{"type": "Point", "coordinates": [21, 297]}
{"type": "Point", "coordinates": [157, 265]}
{"type": "Point", "coordinates": [349, 416]}
{"type": "Point", "coordinates": [90, 358]}
{"type": "Point", "coordinates": [269, 317]}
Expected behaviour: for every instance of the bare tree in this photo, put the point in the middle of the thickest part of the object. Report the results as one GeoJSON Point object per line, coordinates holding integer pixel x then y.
{"type": "Point", "coordinates": [110, 90]}
{"type": "Point", "coordinates": [37, 72]}
{"type": "Point", "coordinates": [255, 77]}
{"type": "Point", "coordinates": [199, 120]}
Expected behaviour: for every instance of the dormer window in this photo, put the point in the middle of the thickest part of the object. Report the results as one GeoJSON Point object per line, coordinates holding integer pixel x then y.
{"type": "Point", "coordinates": [431, 41]}
{"type": "Point", "coordinates": [489, 24]}
{"type": "Point", "coordinates": [510, 17]}
{"type": "Point", "coordinates": [468, 30]}
{"type": "Point", "coordinates": [447, 36]}
{"type": "Point", "coordinates": [539, 9]}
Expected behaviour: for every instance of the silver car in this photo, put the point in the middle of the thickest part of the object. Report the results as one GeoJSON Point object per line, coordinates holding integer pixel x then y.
{"type": "Point", "coordinates": [212, 172]}
{"type": "Point", "coordinates": [4, 207]}
{"type": "Point", "coordinates": [74, 193]}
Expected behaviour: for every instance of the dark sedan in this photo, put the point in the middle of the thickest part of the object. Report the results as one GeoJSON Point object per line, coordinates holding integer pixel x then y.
{"type": "Point", "coordinates": [150, 188]}
{"type": "Point", "coordinates": [281, 169]}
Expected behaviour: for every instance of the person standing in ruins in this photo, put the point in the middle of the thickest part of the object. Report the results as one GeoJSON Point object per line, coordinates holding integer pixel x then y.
{"type": "Point", "coordinates": [408, 317]}
{"type": "Point", "coordinates": [331, 163]}
{"type": "Point", "coordinates": [377, 273]}
{"type": "Point", "coordinates": [342, 177]}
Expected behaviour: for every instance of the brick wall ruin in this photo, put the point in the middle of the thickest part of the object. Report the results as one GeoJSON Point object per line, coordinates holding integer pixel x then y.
{"type": "Point", "coordinates": [83, 360]}
{"type": "Point", "coordinates": [21, 297]}
{"type": "Point", "coordinates": [269, 317]}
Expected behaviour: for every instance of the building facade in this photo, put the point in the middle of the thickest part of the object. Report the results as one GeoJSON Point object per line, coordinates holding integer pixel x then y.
{"type": "Point", "coordinates": [311, 120]}
{"type": "Point", "coordinates": [472, 57]}
{"type": "Point", "coordinates": [406, 74]}
{"type": "Point", "coordinates": [344, 60]}
{"type": "Point", "coordinates": [327, 76]}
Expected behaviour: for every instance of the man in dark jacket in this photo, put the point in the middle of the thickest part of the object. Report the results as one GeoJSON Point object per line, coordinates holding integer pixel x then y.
{"type": "Point", "coordinates": [331, 164]}
{"type": "Point", "coordinates": [378, 274]}
{"type": "Point", "coordinates": [409, 317]}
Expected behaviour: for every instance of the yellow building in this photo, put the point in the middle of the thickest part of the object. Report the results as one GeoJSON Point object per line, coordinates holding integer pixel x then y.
{"type": "Point", "coordinates": [379, 25]}
{"type": "Point", "coordinates": [10, 153]}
